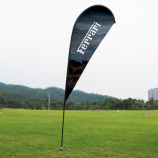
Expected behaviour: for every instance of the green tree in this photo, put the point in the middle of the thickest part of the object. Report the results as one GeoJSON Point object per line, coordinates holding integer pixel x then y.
{"type": "Point", "coordinates": [0, 91]}
{"type": "Point", "coordinates": [150, 103]}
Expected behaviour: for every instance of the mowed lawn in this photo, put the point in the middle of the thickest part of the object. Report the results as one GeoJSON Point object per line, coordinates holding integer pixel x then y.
{"type": "Point", "coordinates": [35, 133]}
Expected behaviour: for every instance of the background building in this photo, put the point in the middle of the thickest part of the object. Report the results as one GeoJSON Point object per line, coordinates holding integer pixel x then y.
{"type": "Point", "coordinates": [153, 93]}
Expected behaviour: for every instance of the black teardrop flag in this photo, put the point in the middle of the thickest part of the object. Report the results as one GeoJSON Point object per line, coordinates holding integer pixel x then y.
{"type": "Point", "coordinates": [89, 30]}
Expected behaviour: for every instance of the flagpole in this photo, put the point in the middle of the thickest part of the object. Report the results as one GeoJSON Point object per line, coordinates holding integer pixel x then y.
{"type": "Point", "coordinates": [61, 148]}
{"type": "Point", "coordinates": [63, 125]}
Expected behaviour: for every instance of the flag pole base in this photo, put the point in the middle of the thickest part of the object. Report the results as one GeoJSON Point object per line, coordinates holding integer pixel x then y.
{"type": "Point", "coordinates": [62, 149]}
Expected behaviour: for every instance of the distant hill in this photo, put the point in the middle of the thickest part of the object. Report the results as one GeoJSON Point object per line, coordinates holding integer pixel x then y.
{"type": "Point", "coordinates": [25, 93]}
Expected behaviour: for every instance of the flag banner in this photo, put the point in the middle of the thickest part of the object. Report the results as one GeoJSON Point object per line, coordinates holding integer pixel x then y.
{"type": "Point", "coordinates": [89, 30]}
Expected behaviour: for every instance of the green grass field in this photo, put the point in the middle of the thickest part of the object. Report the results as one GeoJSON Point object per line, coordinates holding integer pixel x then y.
{"type": "Point", "coordinates": [33, 133]}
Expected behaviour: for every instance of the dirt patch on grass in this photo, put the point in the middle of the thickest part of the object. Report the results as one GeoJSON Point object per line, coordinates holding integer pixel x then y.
{"type": "Point", "coordinates": [11, 109]}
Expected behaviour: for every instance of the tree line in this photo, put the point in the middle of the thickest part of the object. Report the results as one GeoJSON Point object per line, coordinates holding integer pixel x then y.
{"type": "Point", "coordinates": [107, 104]}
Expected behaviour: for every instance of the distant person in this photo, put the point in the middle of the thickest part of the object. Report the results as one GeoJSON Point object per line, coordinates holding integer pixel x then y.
{"type": "Point", "coordinates": [150, 112]}
{"type": "Point", "coordinates": [118, 110]}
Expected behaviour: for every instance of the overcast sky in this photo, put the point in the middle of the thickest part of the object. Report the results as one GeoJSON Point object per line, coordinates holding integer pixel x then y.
{"type": "Point", "coordinates": [35, 38]}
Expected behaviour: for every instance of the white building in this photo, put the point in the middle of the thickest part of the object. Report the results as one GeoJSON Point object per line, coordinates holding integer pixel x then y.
{"type": "Point", "coordinates": [153, 93]}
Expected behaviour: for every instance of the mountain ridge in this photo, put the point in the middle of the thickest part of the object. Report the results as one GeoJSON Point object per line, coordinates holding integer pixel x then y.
{"type": "Point", "coordinates": [24, 93]}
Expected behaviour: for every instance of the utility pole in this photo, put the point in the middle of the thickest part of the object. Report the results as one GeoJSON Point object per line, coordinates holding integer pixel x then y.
{"type": "Point", "coordinates": [48, 101]}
